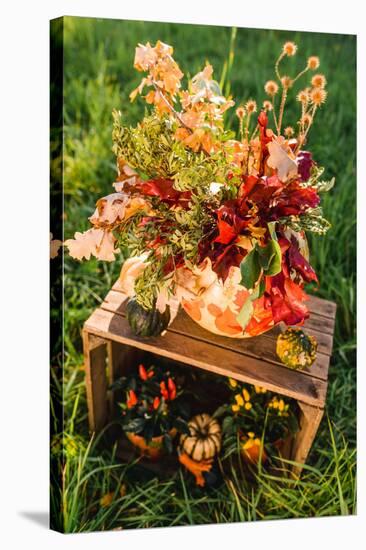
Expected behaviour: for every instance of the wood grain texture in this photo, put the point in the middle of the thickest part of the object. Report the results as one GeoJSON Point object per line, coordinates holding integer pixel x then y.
{"type": "Point", "coordinates": [212, 358]}
{"type": "Point", "coordinates": [310, 419]}
{"type": "Point", "coordinates": [96, 381]}
{"type": "Point", "coordinates": [262, 347]}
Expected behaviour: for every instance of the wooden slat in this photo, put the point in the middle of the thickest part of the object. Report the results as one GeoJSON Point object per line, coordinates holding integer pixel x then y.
{"type": "Point", "coordinates": [96, 380]}
{"type": "Point", "coordinates": [310, 419]}
{"type": "Point", "coordinates": [262, 347]}
{"type": "Point", "coordinates": [322, 307]}
{"type": "Point", "coordinates": [181, 348]}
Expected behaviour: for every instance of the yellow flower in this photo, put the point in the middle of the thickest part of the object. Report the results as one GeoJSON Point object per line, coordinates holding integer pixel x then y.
{"type": "Point", "coordinates": [281, 405]}
{"type": "Point", "coordinates": [248, 406]}
{"type": "Point", "coordinates": [246, 395]}
{"type": "Point", "coordinates": [257, 441]}
{"type": "Point", "coordinates": [106, 500]}
{"type": "Point", "coordinates": [233, 383]}
{"type": "Point", "coordinates": [235, 408]}
{"type": "Point", "coordinates": [258, 389]}
{"type": "Point", "coordinates": [251, 435]}
{"type": "Point", "coordinates": [239, 400]}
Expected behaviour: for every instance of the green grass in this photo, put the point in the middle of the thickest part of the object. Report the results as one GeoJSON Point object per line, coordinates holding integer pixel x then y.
{"type": "Point", "coordinates": [99, 76]}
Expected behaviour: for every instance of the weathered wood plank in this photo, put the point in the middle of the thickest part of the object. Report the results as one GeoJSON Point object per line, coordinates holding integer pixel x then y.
{"type": "Point", "coordinates": [310, 419]}
{"type": "Point", "coordinates": [210, 357]}
{"type": "Point", "coordinates": [322, 307]}
{"type": "Point", "coordinates": [95, 381]}
{"type": "Point", "coordinates": [262, 347]}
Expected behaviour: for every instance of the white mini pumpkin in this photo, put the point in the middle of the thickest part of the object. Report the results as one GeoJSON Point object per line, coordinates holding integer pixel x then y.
{"type": "Point", "coordinates": [204, 441]}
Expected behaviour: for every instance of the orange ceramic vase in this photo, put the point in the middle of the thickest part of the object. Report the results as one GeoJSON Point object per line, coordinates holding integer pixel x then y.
{"type": "Point", "coordinates": [217, 306]}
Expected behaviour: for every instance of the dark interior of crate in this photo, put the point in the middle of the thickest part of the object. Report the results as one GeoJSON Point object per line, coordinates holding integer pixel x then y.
{"type": "Point", "coordinates": [206, 391]}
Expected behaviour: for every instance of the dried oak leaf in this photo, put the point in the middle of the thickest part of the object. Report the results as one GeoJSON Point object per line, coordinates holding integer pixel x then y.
{"type": "Point", "coordinates": [279, 159]}
{"type": "Point", "coordinates": [116, 208]}
{"type": "Point", "coordinates": [96, 242]}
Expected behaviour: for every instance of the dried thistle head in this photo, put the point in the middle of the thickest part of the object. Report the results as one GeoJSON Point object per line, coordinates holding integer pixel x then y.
{"type": "Point", "coordinates": [306, 120]}
{"type": "Point", "coordinates": [251, 106]}
{"type": "Point", "coordinates": [289, 131]}
{"type": "Point", "coordinates": [289, 48]}
{"type": "Point", "coordinates": [240, 112]}
{"type": "Point", "coordinates": [318, 96]}
{"type": "Point", "coordinates": [271, 88]}
{"type": "Point", "coordinates": [313, 62]}
{"type": "Point", "coordinates": [303, 96]}
{"type": "Point", "coordinates": [319, 81]}
{"type": "Point", "coordinates": [286, 82]}
{"type": "Point", "coordinates": [267, 105]}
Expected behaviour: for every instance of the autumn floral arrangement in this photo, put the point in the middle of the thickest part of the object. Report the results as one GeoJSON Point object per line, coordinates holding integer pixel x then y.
{"type": "Point", "coordinates": [214, 222]}
{"type": "Point", "coordinates": [260, 419]}
{"type": "Point", "coordinates": [152, 412]}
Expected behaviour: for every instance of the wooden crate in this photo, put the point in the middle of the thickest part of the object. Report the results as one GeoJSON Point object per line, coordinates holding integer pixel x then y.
{"type": "Point", "coordinates": [110, 348]}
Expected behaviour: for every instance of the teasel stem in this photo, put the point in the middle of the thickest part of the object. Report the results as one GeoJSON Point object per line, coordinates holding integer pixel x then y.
{"type": "Point", "coordinates": [282, 107]}
{"type": "Point", "coordinates": [274, 113]}
{"type": "Point", "coordinates": [241, 129]}
{"type": "Point", "coordinates": [247, 126]}
{"type": "Point", "coordinates": [277, 65]}
{"type": "Point", "coordinates": [255, 131]}
{"type": "Point", "coordinates": [300, 74]}
{"type": "Point", "coordinates": [303, 136]}
{"type": "Point", "coordinates": [301, 123]}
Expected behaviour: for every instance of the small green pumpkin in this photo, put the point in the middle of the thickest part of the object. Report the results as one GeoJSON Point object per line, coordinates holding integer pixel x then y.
{"type": "Point", "coordinates": [146, 322]}
{"type": "Point", "coordinates": [296, 349]}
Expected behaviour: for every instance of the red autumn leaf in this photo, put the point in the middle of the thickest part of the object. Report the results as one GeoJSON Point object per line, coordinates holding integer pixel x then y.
{"type": "Point", "coordinates": [294, 200]}
{"type": "Point", "coordinates": [304, 164]}
{"type": "Point", "coordinates": [163, 188]}
{"type": "Point", "coordinates": [247, 186]}
{"type": "Point", "coordinates": [264, 189]}
{"type": "Point", "coordinates": [286, 299]}
{"type": "Point", "coordinates": [156, 403]}
{"type": "Point", "coordinates": [226, 232]}
{"type": "Point", "coordinates": [262, 122]}
{"type": "Point", "coordinates": [225, 257]}
{"type": "Point", "coordinates": [300, 264]}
